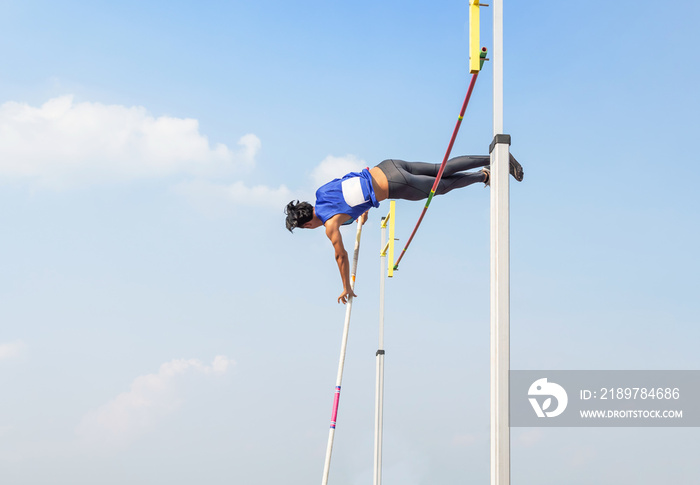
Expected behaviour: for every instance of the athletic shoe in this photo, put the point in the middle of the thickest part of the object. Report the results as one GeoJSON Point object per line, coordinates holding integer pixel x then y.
{"type": "Point", "coordinates": [487, 172]}
{"type": "Point", "coordinates": [516, 170]}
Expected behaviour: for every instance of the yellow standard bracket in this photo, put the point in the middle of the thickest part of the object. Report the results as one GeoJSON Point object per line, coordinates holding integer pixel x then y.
{"type": "Point", "coordinates": [475, 61]}
{"type": "Point", "coordinates": [388, 249]}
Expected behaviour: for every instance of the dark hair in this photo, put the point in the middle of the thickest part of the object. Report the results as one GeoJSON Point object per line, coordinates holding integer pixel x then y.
{"type": "Point", "coordinates": [298, 214]}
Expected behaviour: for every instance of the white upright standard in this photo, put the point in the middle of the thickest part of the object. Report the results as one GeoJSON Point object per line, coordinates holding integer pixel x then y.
{"type": "Point", "coordinates": [379, 386]}
{"type": "Point", "coordinates": [500, 269]}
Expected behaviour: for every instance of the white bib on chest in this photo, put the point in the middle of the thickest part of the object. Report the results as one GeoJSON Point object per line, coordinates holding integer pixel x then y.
{"type": "Point", "coordinates": [352, 192]}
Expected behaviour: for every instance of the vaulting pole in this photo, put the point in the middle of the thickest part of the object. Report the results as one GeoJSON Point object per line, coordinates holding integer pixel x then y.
{"type": "Point", "coordinates": [500, 269]}
{"type": "Point", "coordinates": [438, 177]}
{"type": "Point", "coordinates": [341, 364]}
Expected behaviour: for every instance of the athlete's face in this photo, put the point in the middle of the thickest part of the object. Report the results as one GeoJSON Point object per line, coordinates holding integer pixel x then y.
{"type": "Point", "coordinates": [313, 223]}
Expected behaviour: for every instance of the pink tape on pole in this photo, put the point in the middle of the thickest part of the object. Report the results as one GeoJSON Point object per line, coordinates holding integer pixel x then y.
{"type": "Point", "coordinates": [336, 400]}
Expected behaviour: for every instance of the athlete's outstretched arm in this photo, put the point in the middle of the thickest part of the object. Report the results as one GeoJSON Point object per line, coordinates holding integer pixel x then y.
{"type": "Point", "coordinates": [341, 257]}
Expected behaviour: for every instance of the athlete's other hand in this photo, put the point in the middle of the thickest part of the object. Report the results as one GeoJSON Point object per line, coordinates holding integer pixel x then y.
{"type": "Point", "coordinates": [363, 218]}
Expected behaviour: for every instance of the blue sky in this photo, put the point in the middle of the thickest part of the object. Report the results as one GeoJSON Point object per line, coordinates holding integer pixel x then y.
{"type": "Point", "coordinates": [158, 323]}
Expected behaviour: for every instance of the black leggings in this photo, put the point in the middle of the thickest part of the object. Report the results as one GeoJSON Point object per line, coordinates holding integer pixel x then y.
{"type": "Point", "coordinates": [413, 180]}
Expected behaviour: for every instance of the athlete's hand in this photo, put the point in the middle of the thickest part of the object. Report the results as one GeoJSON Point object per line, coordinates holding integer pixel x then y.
{"type": "Point", "coordinates": [363, 218]}
{"type": "Point", "coordinates": [345, 295]}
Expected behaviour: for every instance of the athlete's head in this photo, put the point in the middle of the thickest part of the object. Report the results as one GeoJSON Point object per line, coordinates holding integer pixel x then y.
{"type": "Point", "coordinates": [298, 214]}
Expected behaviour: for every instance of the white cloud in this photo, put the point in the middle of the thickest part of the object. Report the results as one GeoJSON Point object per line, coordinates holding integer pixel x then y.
{"type": "Point", "coordinates": [528, 438]}
{"type": "Point", "coordinates": [251, 146]}
{"type": "Point", "coordinates": [11, 350]}
{"type": "Point", "coordinates": [335, 167]}
{"type": "Point", "coordinates": [467, 439]}
{"type": "Point", "coordinates": [63, 144]}
{"type": "Point", "coordinates": [212, 196]}
{"type": "Point", "coordinates": [151, 398]}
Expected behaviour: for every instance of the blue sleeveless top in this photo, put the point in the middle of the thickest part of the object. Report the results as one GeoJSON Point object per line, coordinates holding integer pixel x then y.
{"type": "Point", "coordinates": [352, 195]}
